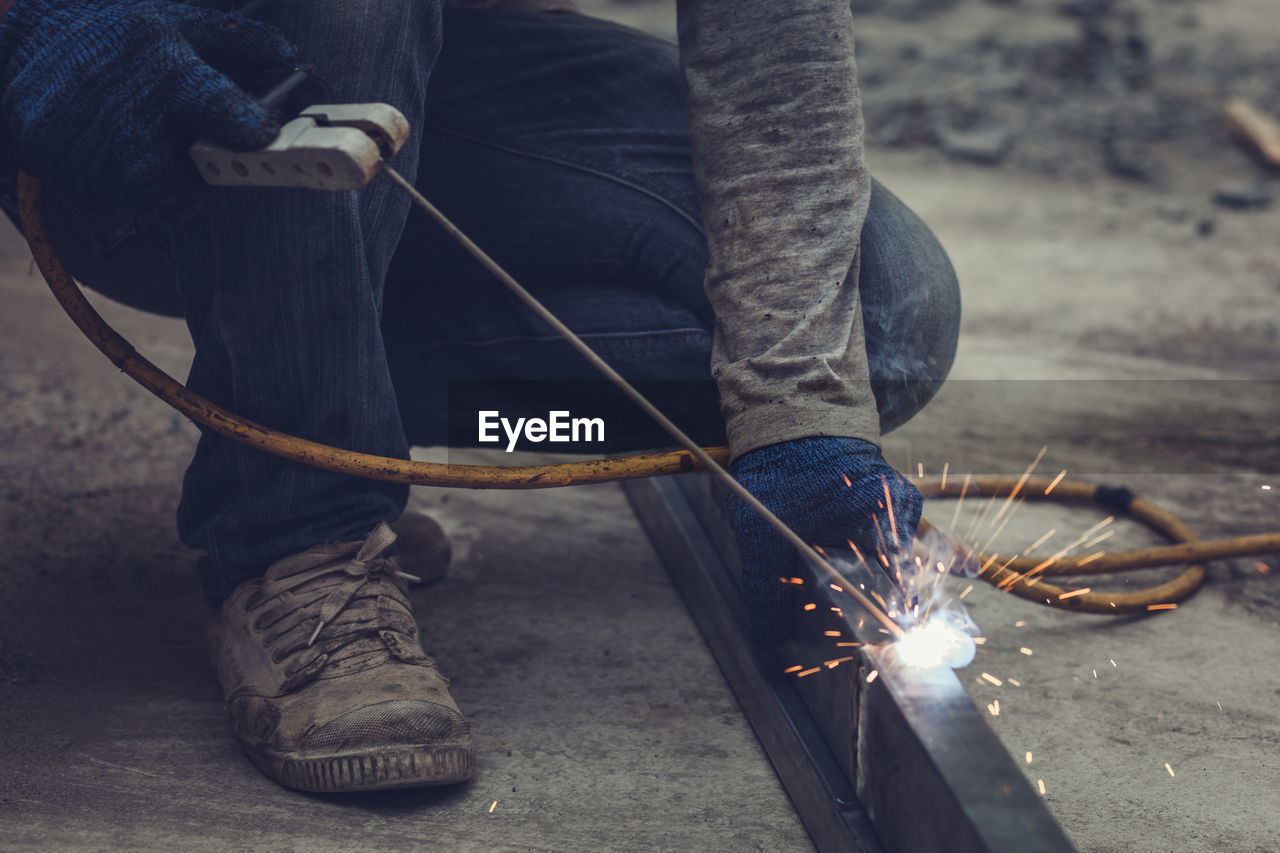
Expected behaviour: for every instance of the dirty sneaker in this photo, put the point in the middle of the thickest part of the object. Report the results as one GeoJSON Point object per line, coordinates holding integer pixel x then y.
{"type": "Point", "coordinates": [327, 686]}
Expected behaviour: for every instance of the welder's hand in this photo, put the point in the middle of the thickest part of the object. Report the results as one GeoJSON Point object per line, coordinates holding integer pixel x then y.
{"type": "Point", "coordinates": [104, 97]}
{"type": "Point", "coordinates": [830, 491]}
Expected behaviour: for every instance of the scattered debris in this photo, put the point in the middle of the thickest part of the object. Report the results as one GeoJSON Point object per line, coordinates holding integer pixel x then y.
{"type": "Point", "coordinates": [1247, 196]}
{"type": "Point", "coordinates": [987, 146]}
{"type": "Point", "coordinates": [1111, 92]}
{"type": "Point", "coordinates": [1130, 160]}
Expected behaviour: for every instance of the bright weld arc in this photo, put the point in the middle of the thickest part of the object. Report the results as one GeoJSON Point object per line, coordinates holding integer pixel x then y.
{"type": "Point", "coordinates": [934, 643]}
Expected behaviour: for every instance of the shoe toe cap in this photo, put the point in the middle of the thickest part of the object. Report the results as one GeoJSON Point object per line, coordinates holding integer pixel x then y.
{"type": "Point", "coordinates": [393, 723]}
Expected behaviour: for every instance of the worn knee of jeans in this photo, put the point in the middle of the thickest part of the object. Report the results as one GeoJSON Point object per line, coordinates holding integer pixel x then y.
{"type": "Point", "coordinates": [910, 308]}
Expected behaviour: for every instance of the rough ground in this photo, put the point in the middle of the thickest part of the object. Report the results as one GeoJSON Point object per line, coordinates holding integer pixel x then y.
{"type": "Point", "coordinates": [1118, 315]}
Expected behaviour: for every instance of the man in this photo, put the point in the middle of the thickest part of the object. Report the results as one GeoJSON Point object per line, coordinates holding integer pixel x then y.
{"type": "Point", "coordinates": [561, 144]}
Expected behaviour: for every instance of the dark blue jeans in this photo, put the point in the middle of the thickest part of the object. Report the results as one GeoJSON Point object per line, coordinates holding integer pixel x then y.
{"type": "Point", "coordinates": [559, 143]}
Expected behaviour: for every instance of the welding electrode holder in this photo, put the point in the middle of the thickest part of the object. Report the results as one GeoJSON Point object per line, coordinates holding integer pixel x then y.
{"type": "Point", "coordinates": [342, 147]}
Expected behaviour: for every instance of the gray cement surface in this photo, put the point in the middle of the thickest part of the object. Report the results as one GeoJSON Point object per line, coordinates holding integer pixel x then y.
{"type": "Point", "coordinates": [602, 722]}
{"type": "Point", "coordinates": [1099, 321]}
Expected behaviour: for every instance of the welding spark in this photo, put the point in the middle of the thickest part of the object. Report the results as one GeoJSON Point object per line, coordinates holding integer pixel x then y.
{"type": "Point", "coordinates": [1106, 534]}
{"type": "Point", "coordinates": [1028, 757]}
{"type": "Point", "coordinates": [872, 676]}
{"type": "Point", "coordinates": [1167, 767]}
{"type": "Point", "coordinates": [955, 516]}
{"type": "Point", "coordinates": [493, 806]}
{"type": "Point", "coordinates": [893, 522]}
{"type": "Point", "coordinates": [935, 643]}
{"type": "Point", "coordinates": [1040, 782]}
{"type": "Point", "coordinates": [1036, 544]}
{"type": "Point", "coordinates": [1022, 481]}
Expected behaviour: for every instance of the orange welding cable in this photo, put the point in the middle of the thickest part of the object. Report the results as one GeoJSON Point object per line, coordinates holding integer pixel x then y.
{"type": "Point", "coordinates": [206, 413]}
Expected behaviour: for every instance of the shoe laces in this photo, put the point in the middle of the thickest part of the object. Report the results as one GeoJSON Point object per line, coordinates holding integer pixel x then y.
{"type": "Point", "coordinates": [347, 588]}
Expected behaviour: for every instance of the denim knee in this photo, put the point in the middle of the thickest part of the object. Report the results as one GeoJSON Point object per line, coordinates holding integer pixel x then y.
{"type": "Point", "coordinates": [910, 308]}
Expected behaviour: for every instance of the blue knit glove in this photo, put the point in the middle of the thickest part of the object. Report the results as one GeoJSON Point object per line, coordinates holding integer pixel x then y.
{"type": "Point", "coordinates": [829, 491]}
{"type": "Point", "coordinates": [104, 97]}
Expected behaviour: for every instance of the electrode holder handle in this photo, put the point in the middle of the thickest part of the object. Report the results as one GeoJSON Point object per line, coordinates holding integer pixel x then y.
{"type": "Point", "coordinates": [326, 147]}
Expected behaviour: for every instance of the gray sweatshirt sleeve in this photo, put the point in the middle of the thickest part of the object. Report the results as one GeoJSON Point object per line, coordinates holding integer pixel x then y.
{"type": "Point", "coordinates": [776, 122]}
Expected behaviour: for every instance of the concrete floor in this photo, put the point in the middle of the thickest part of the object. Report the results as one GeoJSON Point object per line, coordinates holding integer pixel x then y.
{"type": "Point", "coordinates": [602, 722]}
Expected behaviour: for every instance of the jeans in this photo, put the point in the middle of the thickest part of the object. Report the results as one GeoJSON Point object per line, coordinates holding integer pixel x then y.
{"type": "Point", "coordinates": [559, 144]}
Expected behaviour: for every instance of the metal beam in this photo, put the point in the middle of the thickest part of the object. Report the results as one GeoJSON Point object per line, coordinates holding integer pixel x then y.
{"type": "Point", "coordinates": [904, 763]}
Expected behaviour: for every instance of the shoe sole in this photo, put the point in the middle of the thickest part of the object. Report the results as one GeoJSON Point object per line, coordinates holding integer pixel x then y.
{"type": "Point", "coordinates": [372, 770]}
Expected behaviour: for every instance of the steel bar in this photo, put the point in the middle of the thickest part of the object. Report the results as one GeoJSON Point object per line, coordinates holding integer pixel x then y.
{"type": "Point", "coordinates": [905, 762]}
{"type": "Point", "coordinates": [819, 787]}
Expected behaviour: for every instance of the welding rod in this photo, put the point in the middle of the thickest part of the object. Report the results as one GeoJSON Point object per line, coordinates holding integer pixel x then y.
{"type": "Point", "coordinates": [640, 400]}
